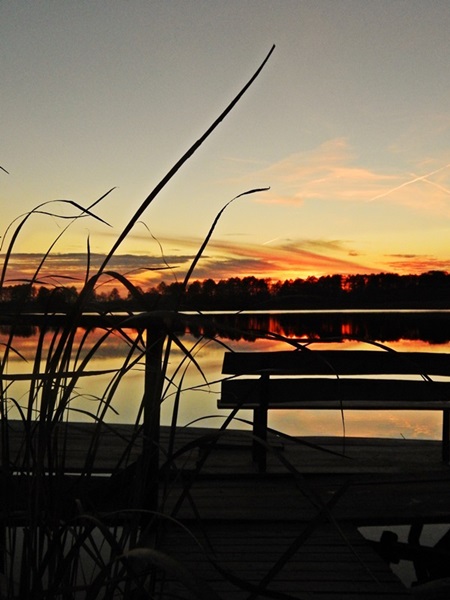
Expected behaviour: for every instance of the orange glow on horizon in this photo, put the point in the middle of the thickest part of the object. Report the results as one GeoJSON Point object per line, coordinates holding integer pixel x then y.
{"type": "Point", "coordinates": [221, 260]}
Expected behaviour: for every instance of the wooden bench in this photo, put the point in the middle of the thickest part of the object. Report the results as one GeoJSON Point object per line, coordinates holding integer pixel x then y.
{"type": "Point", "coordinates": [335, 380]}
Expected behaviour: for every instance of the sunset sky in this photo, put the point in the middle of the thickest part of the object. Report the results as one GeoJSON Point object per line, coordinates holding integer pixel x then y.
{"type": "Point", "coordinates": [348, 124]}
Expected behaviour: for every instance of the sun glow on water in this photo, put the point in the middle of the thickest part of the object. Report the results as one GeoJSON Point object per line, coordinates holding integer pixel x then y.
{"type": "Point", "coordinates": [201, 389]}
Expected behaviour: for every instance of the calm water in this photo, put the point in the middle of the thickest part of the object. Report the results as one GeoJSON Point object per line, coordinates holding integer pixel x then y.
{"type": "Point", "coordinates": [405, 330]}
{"type": "Point", "coordinates": [400, 330]}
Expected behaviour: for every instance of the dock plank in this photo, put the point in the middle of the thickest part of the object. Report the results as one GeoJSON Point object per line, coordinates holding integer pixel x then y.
{"type": "Point", "coordinates": [308, 505]}
{"type": "Point", "coordinates": [331, 564]}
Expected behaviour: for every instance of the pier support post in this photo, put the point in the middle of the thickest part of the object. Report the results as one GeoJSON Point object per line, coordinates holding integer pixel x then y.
{"type": "Point", "coordinates": [446, 435]}
{"type": "Point", "coordinates": [260, 425]}
{"type": "Point", "coordinates": [153, 385]}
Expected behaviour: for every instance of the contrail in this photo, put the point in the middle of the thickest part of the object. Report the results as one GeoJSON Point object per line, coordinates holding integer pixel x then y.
{"type": "Point", "coordinates": [402, 185]}
{"type": "Point", "coordinates": [438, 186]}
{"type": "Point", "coordinates": [270, 241]}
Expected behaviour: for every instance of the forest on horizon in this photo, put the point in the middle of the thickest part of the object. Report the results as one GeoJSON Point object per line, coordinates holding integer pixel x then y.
{"type": "Point", "coordinates": [382, 290]}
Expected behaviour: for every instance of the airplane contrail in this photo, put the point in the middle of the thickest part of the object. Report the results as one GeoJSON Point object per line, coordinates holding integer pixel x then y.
{"type": "Point", "coordinates": [270, 241]}
{"type": "Point", "coordinates": [402, 185]}
{"type": "Point", "coordinates": [438, 186]}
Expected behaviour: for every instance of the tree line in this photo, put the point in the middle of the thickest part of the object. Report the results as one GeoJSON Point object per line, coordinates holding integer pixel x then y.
{"type": "Point", "coordinates": [383, 290]}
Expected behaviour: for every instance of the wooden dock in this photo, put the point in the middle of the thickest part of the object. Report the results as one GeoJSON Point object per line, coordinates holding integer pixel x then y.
{"type": "Point", "coordinates": [291, 533]}
{"type": "Point", "coordinates": [294, 530]}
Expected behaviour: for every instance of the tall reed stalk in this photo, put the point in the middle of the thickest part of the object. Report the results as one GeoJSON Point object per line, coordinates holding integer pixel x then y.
{"type": "Point", "coordinates": [58, 539]}
{"type": "Point", "coordinates": [66, 530]}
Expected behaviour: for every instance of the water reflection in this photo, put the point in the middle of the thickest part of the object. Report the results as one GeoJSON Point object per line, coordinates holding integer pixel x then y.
{"type": "Point", "coordinates": [406, 331]}
{"type": "Point", "coordinates": [382, 326]}
{"type": "Point", "coordinates": [432, 327]}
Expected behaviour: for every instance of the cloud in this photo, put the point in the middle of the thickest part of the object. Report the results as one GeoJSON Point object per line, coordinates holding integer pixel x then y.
{"type": "Point", "coordinates": [415, 264]}
{"type": "Point", "coordinates": [278, 258]}
{"type": "Point", "coordinates": [285, 259]}
{"type": "Point", "coordinates": [319, 245]}
{"type": "Point", "coordinates": [70, 268]}
{"type": "Point", "coordinates": [333, 172]}
{"type": "Point", "coordinates": [328, 172]}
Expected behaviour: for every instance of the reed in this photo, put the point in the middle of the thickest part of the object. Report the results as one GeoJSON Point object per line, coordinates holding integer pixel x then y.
{"type": "Point", "coordinates": [58, 537]}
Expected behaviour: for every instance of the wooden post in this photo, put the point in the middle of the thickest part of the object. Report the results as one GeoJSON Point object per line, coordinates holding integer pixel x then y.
{"type": "Point", "coordinates": [153, 385]}
{"type": "Point", "coordinates": [446, 435]}
{"type": "Point", "coordinates": [260, 424]}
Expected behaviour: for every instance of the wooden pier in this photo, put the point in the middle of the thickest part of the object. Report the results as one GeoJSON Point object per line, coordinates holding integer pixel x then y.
{"type": "Point", "coordinates": [289, 533]}
{"type": "Point", "coordinates": [294, 530]}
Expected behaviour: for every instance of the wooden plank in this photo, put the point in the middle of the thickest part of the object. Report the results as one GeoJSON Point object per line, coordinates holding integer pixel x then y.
{"type": "Point", "coordinates": [391, 480]}
{"type": "Point", "coordinates": [230, 451]}
{"type": "Point", "coordinates": [332, 362]}
{"type": "Point", "coordinates": [327, 562]}
{"type": "Point", "coordinates": [328, 394]}
{"type": "Point", "coordinates": [77, 446]}
{"type": "Point", "coordinates": [364, 501]}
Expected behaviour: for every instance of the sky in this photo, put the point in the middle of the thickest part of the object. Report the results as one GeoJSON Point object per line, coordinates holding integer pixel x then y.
{"type": "Point", "coordinates": [347, 124]}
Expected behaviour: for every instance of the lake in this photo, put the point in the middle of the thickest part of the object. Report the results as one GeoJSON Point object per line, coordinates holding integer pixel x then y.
{"type": "Point", "coordinates": [207, 338]}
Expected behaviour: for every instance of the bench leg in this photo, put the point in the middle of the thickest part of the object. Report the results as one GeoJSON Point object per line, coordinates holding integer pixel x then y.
{"type": "Point", "coordinates": [260, 432]}
{"type": "Point", "coordinates": [446, 436]}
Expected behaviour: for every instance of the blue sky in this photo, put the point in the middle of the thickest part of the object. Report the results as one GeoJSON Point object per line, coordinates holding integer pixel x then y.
{"type": "Point", "coordinates": [348, 124]}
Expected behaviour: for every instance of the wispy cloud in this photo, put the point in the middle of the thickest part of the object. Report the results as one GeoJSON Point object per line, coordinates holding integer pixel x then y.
{"type": "Point", "coordinates": [279, 258]}
{"type": "Point", "coordinates": [285, 259]}
{"type": "Point", "coordinates": [333, 172]}
{"type": "Point", "coordinates": [328, 172]}
{"type": "Point", "coordinates": [416, 263]}
{"type": "Point", "coordinates": [70, 268]}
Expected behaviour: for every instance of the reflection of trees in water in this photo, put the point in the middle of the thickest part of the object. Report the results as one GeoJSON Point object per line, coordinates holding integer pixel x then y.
{"type": "Point", "coordinates": [433, 328]}
{"type": "Point", "coordinates": [20, 330]}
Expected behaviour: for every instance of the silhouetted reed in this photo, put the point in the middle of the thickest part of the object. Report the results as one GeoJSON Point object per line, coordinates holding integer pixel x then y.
{"type": "Point", "coordinates": [58, 540]}
{"type": "Point", "coordinates": [65, 531]}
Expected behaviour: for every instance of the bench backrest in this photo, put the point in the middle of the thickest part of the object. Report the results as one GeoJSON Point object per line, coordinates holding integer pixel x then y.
{"type": "Point", "coordinates": [336, 362]}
